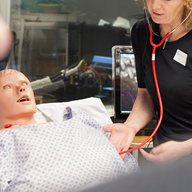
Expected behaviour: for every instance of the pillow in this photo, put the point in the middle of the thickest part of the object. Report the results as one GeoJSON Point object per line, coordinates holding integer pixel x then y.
{"type": "Point", "coordinates": [55, 111]}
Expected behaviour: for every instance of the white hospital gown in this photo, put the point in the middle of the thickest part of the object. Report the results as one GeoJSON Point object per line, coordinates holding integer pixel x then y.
{"type": "Point", "coordinates": [58, 157]}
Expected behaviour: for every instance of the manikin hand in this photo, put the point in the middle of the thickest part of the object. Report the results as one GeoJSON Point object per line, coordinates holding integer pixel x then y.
{"type": "Point", "coordinates": [166, 152]}
{"type": "Point", "coordinates": [121, 136]}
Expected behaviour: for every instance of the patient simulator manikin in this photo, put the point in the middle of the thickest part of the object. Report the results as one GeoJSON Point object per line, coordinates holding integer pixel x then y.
{"type": "Point", "coordinates": [54, 156]}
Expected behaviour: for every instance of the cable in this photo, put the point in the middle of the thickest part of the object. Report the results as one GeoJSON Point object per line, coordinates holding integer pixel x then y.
{"type": "Point", "coordinates": [53, 80]}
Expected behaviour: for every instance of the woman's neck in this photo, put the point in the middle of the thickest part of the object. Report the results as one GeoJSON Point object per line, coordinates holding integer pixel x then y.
{"type": "Point", "coordinates": [177, 34]}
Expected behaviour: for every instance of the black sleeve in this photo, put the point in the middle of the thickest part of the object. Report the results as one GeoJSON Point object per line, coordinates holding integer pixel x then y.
{"type": "Point", "coordinates": [138, 40]}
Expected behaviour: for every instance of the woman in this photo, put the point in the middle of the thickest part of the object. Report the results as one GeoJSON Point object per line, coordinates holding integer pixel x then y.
{"type": "Point", "coordinates": [174, 73]}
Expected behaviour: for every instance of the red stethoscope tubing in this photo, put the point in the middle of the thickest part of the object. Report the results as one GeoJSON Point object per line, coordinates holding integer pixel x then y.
{"type": "Point", "coordinates": [154, 46]}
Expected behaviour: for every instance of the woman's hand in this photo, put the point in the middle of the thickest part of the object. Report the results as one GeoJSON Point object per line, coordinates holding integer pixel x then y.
{"type": "Point", "coordinates": [169, 151]}
{"type": "Point", "coordinates": [121, 136]}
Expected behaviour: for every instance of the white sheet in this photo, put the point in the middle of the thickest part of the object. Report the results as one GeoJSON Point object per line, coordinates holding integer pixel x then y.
{"type": "Point", "coordinates": [92, 106]}
{"type": "Point", "coordinates": [58, 157]}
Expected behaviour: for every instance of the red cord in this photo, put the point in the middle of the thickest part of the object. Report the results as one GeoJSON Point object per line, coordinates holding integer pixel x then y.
{"type": "Point", "coordinates": [157, 90]}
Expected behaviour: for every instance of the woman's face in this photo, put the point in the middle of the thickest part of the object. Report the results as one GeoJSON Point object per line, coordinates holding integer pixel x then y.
{"type": "Point", "coordinates": [17, 98]}
{"type": "Point", "coordinates": [166, 11]}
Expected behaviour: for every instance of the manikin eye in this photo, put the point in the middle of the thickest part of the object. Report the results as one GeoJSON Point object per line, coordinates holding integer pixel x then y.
{"type": "Point", "coordinates": [24, 84]}
{"type": "Point", "coordinates": [7, 87]}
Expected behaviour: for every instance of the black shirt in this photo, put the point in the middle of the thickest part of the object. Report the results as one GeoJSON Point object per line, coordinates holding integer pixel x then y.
{"type": "Point", "coordinates": [175, 80]}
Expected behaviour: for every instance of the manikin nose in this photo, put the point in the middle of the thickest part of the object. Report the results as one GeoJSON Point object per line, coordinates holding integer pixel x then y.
{"type": "Point", "coordinates": [21, 89]}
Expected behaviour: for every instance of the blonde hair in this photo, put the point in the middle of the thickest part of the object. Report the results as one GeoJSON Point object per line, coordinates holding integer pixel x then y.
{"type": "Point", "coordinates": [188, 10]}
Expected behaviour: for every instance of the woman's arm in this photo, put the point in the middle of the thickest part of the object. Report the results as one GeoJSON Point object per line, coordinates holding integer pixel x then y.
{"type": "Point", "coordinates": [142, 111]}
{"type": "Point", "coordinates": [169, 151]}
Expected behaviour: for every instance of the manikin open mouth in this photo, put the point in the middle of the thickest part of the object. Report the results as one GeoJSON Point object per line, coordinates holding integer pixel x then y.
{"type": "Point", "coordinates": [23, 99]}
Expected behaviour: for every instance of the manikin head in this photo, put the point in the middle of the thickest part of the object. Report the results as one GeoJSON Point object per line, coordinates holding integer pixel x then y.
{"type": "Point", "coordinates": [17, 103]}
